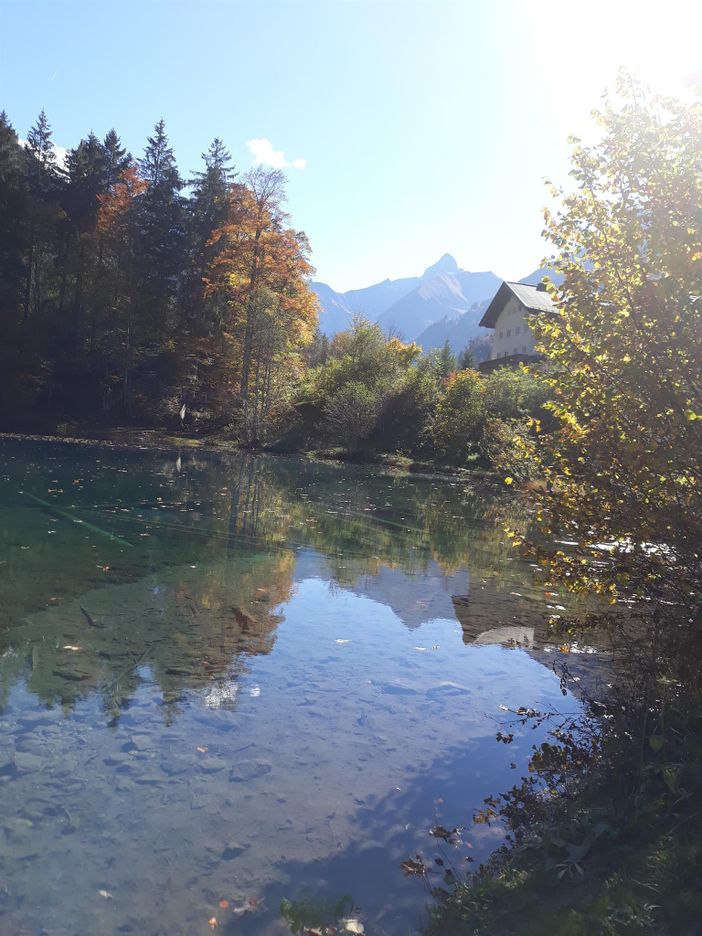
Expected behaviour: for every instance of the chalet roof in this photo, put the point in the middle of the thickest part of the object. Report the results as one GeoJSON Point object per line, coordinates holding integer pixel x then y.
{"type": "Point", "coordinates": [533, 299]}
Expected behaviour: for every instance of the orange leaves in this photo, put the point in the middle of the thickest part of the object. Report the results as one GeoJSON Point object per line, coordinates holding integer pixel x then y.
{"type": "Point", "coordinates": [115, 205]}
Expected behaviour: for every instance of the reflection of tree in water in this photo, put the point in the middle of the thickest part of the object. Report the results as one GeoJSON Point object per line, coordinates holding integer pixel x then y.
{"type": "Point", "coordinates": [190, 631]}
{"type": "Point", "coordinates": [213, 554]}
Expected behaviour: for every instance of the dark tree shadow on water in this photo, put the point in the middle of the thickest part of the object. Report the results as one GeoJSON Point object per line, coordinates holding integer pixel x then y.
{"type": "Point", "coordinates": [387, 830]}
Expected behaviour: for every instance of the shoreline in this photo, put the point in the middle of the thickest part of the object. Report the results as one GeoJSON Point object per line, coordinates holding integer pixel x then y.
{"type": "Point", "coordinates": [158, 440]}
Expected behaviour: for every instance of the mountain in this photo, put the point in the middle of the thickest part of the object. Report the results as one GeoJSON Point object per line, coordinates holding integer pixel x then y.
{"type": "Point", "coordinates": [459, 332]}
{"type": "Point", "coordinates": [407, 306]}
{"type": "Point", "coordinates": [446, 295]}
{"type": "Point", "coordinates": [533, 279]}
{"type": "Point", "coordinates": [372, 301]}
{"type": "Point", "coordinates": [444, 303]}
{"type": "Point", "coordinates": [335, 314]}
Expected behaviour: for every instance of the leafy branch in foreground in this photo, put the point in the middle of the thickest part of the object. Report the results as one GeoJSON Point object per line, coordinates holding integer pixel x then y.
{"type": "Point", "coordinates": [606, 835]}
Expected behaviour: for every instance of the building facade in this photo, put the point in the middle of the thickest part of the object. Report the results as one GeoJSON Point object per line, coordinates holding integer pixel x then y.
{"type": "Point", "coordinates": [507, 314]}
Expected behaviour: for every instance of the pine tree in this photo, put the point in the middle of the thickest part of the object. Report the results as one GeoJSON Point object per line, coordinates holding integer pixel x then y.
{"type": "Point", "coordinates": [12, 223]}
{"type": "Point", "coordinates": [208, 209]}
{"type": "Point", "coordinates": [161, 232]}
{"type": "Point", "coordinates": [466, 359]}
{"type": "Point", "coordinates": [116, 158]}
{"type": "Point", "coordinates": [43, 179]}
{"type": "Point", "coordinates": [446, 362]}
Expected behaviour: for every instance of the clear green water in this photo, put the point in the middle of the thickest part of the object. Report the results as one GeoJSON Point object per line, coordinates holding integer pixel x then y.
{"type": "Point", "coordinates": [247, 679]}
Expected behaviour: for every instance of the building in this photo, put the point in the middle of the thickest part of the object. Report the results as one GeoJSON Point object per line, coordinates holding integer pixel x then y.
{"type": "Point", "coordinates": [513, 340]}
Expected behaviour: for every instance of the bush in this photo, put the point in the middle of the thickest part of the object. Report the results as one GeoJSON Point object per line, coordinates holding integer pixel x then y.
{"type": "Point", "coordinates": [459, 417]}
{"type": "Point", "coordinates": [510, 393]}
{"type": "Point", "coordinates": [508, 444]}
{"type": "Point", "coordinates": [350, 415]}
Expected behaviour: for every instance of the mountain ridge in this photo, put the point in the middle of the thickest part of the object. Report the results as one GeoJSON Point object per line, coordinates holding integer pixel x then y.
{"type": "Point", "coordinates": [445, 303]}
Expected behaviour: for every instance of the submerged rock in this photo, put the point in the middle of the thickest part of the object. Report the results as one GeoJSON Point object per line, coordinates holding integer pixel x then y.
{"type": "Point", "coordinates": [247, 770]}
{"type": "Point", "coordinates": [26, 761]}
{"type": "Point", "coordinates": [232, 849]}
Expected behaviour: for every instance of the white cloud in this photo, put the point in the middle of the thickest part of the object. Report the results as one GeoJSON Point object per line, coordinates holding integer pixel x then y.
{"type": "Point", "coordinates": [263, 154]}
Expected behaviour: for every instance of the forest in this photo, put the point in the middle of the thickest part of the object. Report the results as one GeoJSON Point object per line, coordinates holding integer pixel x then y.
{"type": "Point", "coordinates": [123, 300]}
{"type": "Point", "coordinates": [131, 296]}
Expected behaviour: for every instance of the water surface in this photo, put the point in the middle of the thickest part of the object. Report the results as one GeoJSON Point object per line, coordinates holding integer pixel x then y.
{"type": "Point", "coordinates": [248, 680]}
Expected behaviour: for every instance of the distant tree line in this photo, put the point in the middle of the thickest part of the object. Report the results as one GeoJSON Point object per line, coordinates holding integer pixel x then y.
{"type": "Point", "coordinates": [132, 296]}
{"type": "Point", "coordinates": [128, 292]}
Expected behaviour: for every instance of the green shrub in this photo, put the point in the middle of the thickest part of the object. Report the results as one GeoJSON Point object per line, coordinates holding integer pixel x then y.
{"type": "Point", "coordinates": [350, 415]}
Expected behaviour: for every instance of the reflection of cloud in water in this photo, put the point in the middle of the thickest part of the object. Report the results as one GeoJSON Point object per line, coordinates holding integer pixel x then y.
{"type": "Point", "coordinates": [223, 695]}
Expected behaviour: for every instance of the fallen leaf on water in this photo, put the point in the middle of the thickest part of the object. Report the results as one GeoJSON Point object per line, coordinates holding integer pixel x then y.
{"type": "Point", "coordinates": [70, 647]}
{"type": "Point", "coordinates": [339, 641]}
{"type": "Point", "coordinates": [248, 906]}
{"type": "Point", "coordinates": [410, 866]}
{"type": "Point", "coordinates": [201, 750]}
{"type": "Point", "coordinates": [420, 648]}
{"type": "Point", "coordinates": [213, 923]}
{"type": "Point", "coordinates": [224, 904]}
{"type": "Point", "coordinates": [353, 926]}
{"type": "Point", "coordinates": [106, 894]}
{"type": "Point", "coordinates": [438, 831]}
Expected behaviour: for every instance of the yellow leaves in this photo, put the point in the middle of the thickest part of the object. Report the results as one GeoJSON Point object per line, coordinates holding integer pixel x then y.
{"type": "Point", "coordinates": [509, 480]}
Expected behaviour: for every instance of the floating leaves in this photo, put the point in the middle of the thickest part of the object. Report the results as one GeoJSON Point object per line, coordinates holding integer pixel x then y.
{"type": "Point", "coordinates": [447, 835]}
{"type": "Point", "coordinates": [412, 866]}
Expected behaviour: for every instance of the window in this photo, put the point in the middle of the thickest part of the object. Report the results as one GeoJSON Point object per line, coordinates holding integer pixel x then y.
{"type": "Point", "coordinates": [500, 336]}
{"type": "Point", "coordinates": [517, 329]}
{"type": "Point", "coordinates": [509, 332]}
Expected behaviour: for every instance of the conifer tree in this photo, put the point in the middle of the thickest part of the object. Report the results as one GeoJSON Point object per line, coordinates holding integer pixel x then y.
{"type": "Point", "coordinates": [161, 234]}
{"type": "Point", "coordinates": [12, 223]}
{"type": "Point", "coordinates": [43, 180]}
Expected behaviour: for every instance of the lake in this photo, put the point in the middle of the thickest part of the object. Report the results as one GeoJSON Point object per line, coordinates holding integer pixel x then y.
{"type": "Point", "coordinates": [230, 682]}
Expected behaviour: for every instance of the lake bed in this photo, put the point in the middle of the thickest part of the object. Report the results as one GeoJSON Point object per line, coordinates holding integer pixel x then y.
{"type": "Point", "coordinates": [231, 681]}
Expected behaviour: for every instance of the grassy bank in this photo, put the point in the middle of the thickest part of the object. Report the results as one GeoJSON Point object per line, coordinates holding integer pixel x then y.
{"type": "Point", "coordinates": [163, 440]}
{"type": "Point", "coordinates": [605, 834]}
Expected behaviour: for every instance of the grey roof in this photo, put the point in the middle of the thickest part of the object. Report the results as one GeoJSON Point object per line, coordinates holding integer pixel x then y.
{"type": "Point", "coordinates": [536, 300]}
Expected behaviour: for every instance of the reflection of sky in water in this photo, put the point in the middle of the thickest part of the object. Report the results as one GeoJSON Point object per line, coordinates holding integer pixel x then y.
{"type": "Point", "coordinates": [270, 694]}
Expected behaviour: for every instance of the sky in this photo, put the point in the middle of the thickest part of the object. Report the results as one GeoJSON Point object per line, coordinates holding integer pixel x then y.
{"type": "Point", "coordinates": [407, 128]}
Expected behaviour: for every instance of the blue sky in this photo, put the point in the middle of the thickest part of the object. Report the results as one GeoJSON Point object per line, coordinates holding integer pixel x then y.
{"type": "Point", "coordinates": [424, 126]}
